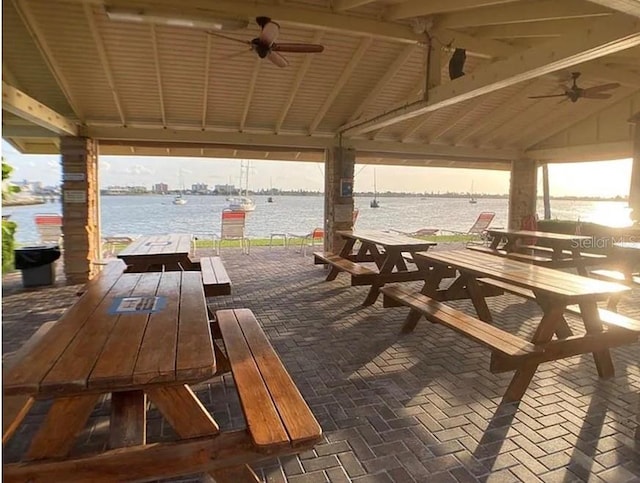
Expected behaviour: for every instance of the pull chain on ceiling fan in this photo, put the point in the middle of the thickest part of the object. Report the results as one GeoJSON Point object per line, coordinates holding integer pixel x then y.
{"type": "Point", "coordinates": [265, 44]}
{"type": "Point", "coordinates": [574, 92]}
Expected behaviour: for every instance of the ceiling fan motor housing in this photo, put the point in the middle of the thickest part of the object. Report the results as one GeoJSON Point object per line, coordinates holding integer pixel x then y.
{"type": "Point", "coordinates": [261, 49]}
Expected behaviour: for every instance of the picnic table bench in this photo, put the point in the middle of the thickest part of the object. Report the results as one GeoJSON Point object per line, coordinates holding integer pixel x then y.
{"type": "Point", "coordinates": [140, 336]}
{"type": "Point", "coordinates": [168, 252]}
{"type": "Point", "coordinates": [215, 278]}
{"type": "Point", "coordinates": [480, 275]}
{"type": "Point", "coordinates": [384, 249]}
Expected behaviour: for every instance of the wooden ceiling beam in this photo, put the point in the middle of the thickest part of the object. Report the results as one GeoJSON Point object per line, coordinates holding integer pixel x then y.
{"type": "Point", "coordinates": [26, 107]}
{"type": "Point", "coordinates": [415, 126]}
{"type": "Point", "coordinates": [419, 8]}
{"type": "Point", "coordinates": [521, 12]}
{"type": "Point", "coordinates": [156, 59]}
{"type": "Point", "coordinates": [205, 92]}
{"type": "Point", "coordinates": [549, 28]}
{"type": "Point", "coordinates": [288, 14]}
{"type": "Point", "coordinates": [252, 88]}
{"type": "Point", "coordinates": [300, 75]}
{"type": "Point", "coordinates": [365, 43]}
{"type": "Point", "coordinates": [445, 127]}
{"type": "Point", "coordinates": [630, 7]}
{"type": "Point", "coordinates": [36, 34]}
{"type": "Point", "coordinates": [384, 81]}
{"type": "Point", "coordinates": [604, 37]}
{"type": "Point", "coordinates": [341, 5]}
{"type": "Point", "coordinates": [482, 47]}
{"type": "Point", "coordinates": [102, 55]}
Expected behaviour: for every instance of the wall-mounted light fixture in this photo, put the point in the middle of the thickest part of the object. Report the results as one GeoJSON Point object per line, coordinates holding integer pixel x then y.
{"type": "Point", "coordinates": [140, 15]}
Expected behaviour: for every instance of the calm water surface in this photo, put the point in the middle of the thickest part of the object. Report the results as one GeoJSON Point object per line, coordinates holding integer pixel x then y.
{"type": "Point", "coordinates": [138, 215]}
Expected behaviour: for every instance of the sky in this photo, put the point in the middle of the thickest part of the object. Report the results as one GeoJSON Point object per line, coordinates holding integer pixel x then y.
{"type": "Point", "coordinates": [607, 178]}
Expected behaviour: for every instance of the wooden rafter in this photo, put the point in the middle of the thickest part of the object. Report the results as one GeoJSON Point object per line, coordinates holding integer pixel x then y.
{"type": "Point", "coordinates": [205, 92]}
{"type": "Point", "coordinates": [497, 113]}
{"type": "Point", "coordinates": [156, 58]}
{"type": "Point", "coordinates": [30, 24]}
{"type": "Point", "coordinates": [300, 75]}
{"type": "Point", "coordinates": [545, 130]}
{"type": "Point", "coordinates": [340, 5]}
{"type": "Point", "coordinates": [483, 47]}
{"type": "Point", "coordinates": [26, 107]}
{"type": "Point", "coordinates": [342, 80]}
{"type": "Point", "coordinates": [414, 93]}
{"type": "Point", "coordinates": [630, 7]}
{"type": "Point", "coordinates": [550, 28]}
{"type": "Point", "coordinates": [418, 8]}
{"type": "Point", "coordinates": [604, 37]}
{"type": "Point", "coordinates": [468, 109]}
{"type": "Point", "coordinates": [522, 12]}
{"type": "Point", "coordinates": [252, 88]}
{"type": "Point", "coordinates": [416, 125]}
{"type": "Point", "coordinates": [393, 69]}
{"type": "Point", "coordinates": [97, 39]}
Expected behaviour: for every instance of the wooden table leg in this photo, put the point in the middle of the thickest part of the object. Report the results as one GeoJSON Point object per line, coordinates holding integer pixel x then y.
{"type": "Point", "coordinates": [65, 419]}
{"type": "Point", "coordinates": [431, 285]}
{"type": "Point", "coordinates": [562, 329]}
{"type": "Point", "coordinates": [387, 267]}
{"type": "Point", "coordinates": [477, 298]}
{"type": "Point", "coordinates": [189, 418]}
{"type": "Point", "coordinates": [346, 250]}
{"type": "Point", "coordinates": [128, 424]}
{"type": "Point", "coordinates": [593, 325]}
{"type": "Point", "coordinates": [522, 378]}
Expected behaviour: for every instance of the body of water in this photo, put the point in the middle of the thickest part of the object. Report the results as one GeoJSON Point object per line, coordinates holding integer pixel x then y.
{"type": "Point", "coordinates": [138, 215]}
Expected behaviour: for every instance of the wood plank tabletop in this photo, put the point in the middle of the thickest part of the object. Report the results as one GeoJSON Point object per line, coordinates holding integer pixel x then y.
{"type": "Point", "coordinates": [550, 281]}
{"type": "Point", "coordinates": [127, 331]}
{"type": "Point", "coordinates": [388, 239]}
{"type": "Point", "coordinates": [150, 245]}
{"type": "Point", "coordinates": [536, 234]}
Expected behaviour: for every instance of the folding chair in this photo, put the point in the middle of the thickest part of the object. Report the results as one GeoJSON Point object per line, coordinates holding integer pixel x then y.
{"type": "Point", "coordinates": [49, 226]}
{"type": "Point", "coordinates": [478, 229]}
{"type": "Point", "coordinates": [232, 227]}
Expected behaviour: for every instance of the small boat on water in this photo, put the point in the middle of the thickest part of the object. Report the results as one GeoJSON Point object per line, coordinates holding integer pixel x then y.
{"type": "Point", "coordinates": [270, 199]}
{"type": "Point", "coordinates": [241, 203]}
{"type": "Point", "coordinates": [179, 200]}
{"type": "Point", "coordinates": [374, 202]}
{"type": "Point", "coordinates": [472, 199]}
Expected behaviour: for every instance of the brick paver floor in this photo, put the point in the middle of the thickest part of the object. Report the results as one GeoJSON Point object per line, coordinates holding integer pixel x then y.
{"type": "Point", "coordinates": [394, 408]}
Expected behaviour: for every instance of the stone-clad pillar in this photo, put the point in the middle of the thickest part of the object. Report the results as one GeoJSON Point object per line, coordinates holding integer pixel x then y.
{"type": "Point", "coordinates": [338, 195]}
{"type": "Point", "coordinates": [634, 189]}
{"type": "Point", "coordinates": [522, 191]}
{"type": "Point", "coordinates": [80, 208]}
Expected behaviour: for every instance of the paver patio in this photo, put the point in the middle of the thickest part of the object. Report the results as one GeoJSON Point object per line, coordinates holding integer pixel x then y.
{"type": "Point", "coordinates": [394, 408]}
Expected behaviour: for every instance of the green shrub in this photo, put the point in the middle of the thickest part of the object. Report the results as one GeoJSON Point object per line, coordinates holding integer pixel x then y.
{"type": "Point", "coordinates": [8, 245]}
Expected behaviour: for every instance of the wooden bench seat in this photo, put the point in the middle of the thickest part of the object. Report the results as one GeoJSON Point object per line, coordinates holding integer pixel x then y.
{"type": "Point", "coordinates": [614, 276]}
{"type": "Point", "coordinates": [16, 408]}
{"type": "Point", "coordinates": [586, 255]}
{"type": "Point", "coordinates": [496, 339]}
{"type": "Point", "coordinates": [343, 264]}
{"type": "Point", "coordinates": [215, 279]}
{"type": "Point", "coordinates": [523, 257]}
{"type": "Point", "coordinates": [277, 416]}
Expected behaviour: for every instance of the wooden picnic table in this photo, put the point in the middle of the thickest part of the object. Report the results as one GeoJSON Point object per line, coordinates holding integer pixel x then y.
{"type": "Point", "coordinates": [168, 252]}
{"type": "Point", "coordinates": [139, 336]}
{"type": "Point", "coordinates": [480, 275]}
{"type": "Point", "coordinates": [385, 249]}
{"type": "Point", "coordinates": [555, 250]}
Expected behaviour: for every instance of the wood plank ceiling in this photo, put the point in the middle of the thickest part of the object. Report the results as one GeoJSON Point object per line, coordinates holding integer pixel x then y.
{"type": "Point", "coordinates": [162, 87]}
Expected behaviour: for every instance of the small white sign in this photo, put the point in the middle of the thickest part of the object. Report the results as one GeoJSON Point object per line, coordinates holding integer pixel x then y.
{"type": "Point", "coordinates": [73, 177]}
{"type": "Point", "coordinates": [75, 196]}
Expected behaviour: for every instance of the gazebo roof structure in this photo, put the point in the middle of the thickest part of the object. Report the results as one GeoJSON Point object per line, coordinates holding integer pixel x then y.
{"type": "Point", "coordinates": [161, 84]}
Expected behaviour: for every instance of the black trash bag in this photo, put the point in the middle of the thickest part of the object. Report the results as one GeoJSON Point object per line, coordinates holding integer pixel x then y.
{"type": "Point", "coordinates": [33, 257]}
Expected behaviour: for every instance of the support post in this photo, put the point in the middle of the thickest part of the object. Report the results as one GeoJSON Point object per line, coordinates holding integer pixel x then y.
{"type": "Point", "coordinates": [338, 195]}
{"type": "Point", "coordinates": [634, 189]}
{"type": "Point", "coordinates": [80, 208]}
{"type": "Point", "coordinates": [545, 191]}
{"type": "Point", "coordinates": [522, 191]}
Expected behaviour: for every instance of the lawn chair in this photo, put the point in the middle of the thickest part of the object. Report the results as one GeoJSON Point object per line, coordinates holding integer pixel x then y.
{"type": "Point", "coordinates": [49, 226]}
{"type": "Point", "coordinates": [479, 228]}
{"type": "Point", "coordinates": [307, 239]}
{"type": "Point", "coordinates": [232, 228]}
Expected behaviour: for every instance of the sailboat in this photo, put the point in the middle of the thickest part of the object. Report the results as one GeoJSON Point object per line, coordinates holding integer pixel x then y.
{"type": "Point", "coordinates": [374, 202]}
{"type": "Point", "coordinates": [180, 199]}
{"type": "Point", "coordinates": [242, 202]}
{"type": "Point", "coordinates": [472, 199]}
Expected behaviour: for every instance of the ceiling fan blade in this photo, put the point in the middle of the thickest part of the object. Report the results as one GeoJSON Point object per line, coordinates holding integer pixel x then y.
{"type": "Point", "coordinates": [269, 33]}
{"type": "Point", "coordinates": [595, 95]}
{"type": "Point", "coordinates": [600, 88]}
{"type": "Point", "coordinates": [301, 48]}
{"type": "Point", "coordinates": [543, 97]}
{"type": "Point", "coordinates": [216, 34]}
{"type": "Point", "coordinates": [277, 59]}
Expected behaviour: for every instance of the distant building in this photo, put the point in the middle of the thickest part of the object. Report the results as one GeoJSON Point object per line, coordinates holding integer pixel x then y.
{"type": "Point", "coordinates": [225, 189]}
{"type": "Point", "coordinates": [199, 188]}
{"type": "Point", "coordinates": [160, 188]}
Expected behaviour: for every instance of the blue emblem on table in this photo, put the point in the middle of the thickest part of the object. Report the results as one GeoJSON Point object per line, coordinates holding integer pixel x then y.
{"type": "Point", "coordinates": [137, 304]}
{"type": "Point", "coordinates": [158, 243]}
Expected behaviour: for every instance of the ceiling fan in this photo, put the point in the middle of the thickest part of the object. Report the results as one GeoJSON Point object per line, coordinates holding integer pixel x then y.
{"type": "Point", "coordinates": [574, 92]}
{"type": "Point", "coordinates": [265, 46]}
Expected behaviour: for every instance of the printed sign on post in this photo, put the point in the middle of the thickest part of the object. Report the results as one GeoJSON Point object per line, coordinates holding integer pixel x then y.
{"type": "Point", "coordinates": [75, 196]}
{"type": "Point", "coordinates": [346, 187]}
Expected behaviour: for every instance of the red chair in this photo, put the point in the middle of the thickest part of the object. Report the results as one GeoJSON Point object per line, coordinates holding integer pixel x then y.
{"type": "Point", "coordinates": [49, 226]}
